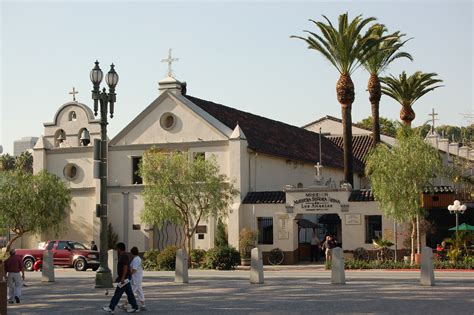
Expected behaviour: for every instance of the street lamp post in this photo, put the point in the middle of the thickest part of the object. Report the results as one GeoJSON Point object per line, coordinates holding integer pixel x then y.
{"type": "Point", "coordinates": [103, 277]}
{"type": "Point", "coordinates": [457, 209]}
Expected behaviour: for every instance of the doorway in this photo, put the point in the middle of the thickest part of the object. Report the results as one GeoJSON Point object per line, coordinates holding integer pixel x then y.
{"type": "Point", "coordinates": [323, 224]}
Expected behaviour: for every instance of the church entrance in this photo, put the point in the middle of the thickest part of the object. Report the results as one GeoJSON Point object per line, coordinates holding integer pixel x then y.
{"type": "Point", "coordinates": [322, 225]}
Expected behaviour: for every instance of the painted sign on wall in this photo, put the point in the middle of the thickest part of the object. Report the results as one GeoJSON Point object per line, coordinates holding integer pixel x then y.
{"type": "Point", "coordinates": [317, 201]}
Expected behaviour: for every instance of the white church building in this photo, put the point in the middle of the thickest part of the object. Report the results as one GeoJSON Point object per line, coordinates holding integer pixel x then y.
{"type": "Point", "coordinates": [282, 194]}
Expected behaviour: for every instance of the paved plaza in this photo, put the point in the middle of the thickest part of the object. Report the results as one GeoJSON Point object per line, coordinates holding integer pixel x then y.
{"type": "Point", "coordinates": [286, 291]}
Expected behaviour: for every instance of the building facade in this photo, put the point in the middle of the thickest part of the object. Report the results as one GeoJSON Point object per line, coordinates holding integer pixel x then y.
{"type": "Point", "coordinates": [282, 194]}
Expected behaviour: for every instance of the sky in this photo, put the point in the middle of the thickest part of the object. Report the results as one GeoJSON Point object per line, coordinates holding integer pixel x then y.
{"type": "Point", "coordinates": [237, 53]}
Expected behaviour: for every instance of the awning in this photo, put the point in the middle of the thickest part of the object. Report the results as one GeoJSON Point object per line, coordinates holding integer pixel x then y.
{"type": "Point", "coordinates": [463, 227]}
{"type": "Point", "coordinates": [306, 224]}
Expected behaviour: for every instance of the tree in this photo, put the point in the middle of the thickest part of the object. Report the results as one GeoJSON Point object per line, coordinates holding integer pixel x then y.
{"type": "Point", "coordinates": [221, 238]}
{"type": "Point", "coordinates": [23, 161]}
{"type": "Point", "coordinates": [399, 174]}
{"type": "Point", "coordinates": [346, 49]}
{"type": "Point", "coordinates": [387, 126]}
{"type": "Point", "coordinates": [183, 191]}
{"type": "Point", "coordinates": [32, 203]}
{"type": "Point", "coordinates": [407, 90]}
{"type": "Point", "coordinates": [7, 162]}
{"type": "Point", "coordinates": [383, 55]}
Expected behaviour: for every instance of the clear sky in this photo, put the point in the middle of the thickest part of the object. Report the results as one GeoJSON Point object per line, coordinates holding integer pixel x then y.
{"type": "Point", "coordinates": [235, 53]}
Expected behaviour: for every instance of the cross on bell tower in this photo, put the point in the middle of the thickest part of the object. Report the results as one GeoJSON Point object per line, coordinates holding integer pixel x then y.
{"type": "Point", "coordinates": [73, 93]}
{"type": "Point", "coordinates": [170, 61]}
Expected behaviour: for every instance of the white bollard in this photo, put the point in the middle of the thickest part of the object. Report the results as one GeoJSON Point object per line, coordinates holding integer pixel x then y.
{"type": "Point", "coordinates": [427, 269]}
{"type": "Point", "coordinates": [256, 266]}
{"type": "Point", "coordinates": [338, 275]}
{"type": "Point", "coordinates": [181, 270]}
{"type": "Point", "coordinates": [112, 262]}
{"type": "Point", "coordinates": [47, 273]}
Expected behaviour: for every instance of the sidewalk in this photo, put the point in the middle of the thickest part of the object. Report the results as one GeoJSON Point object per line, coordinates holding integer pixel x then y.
{"type": "Point", "coordinates": [284, 292]}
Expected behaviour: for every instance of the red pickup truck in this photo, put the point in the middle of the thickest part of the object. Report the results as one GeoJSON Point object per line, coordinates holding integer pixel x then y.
{"type": "Point", "coordinates": [65, 253]}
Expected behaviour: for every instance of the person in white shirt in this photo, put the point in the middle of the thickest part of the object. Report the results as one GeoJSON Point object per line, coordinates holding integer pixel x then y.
{"type": "Point", "coordinates": [137, 278]}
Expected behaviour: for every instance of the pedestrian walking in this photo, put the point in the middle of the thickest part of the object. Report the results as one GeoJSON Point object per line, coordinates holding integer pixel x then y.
{"type": "Point", "coordinates": [137, 278]}
{"type": "Point", "coordinates": [13, 267]}
{"type": "Point", "coordinates": [328, 245]}
{"type": "Point", "coordinates": [123, 282]}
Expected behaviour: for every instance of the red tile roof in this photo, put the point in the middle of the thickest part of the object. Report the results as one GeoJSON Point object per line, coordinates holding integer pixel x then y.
{"type": "Point", "coordinates": [361, 145]}
{"type": "Point", "coordinates": [277, 138]}
{"type": "Point", "coordinates": [265, 197]}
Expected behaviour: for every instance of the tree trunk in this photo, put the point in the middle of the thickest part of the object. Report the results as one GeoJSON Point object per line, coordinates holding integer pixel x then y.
{"type": "Point", "coordinates": [189, 250]}
{"type": "Point", "coordinates": [10, 242]}
{"type": "Point", "coordinates": [418, 240]}
{"type": "Point", "coordinates": [187, 244]}
{"type": "Point", "coordinates": [375, 94]}
{"type": "Point", "coordinates": [413, 228]}
{"type": "Point", "coordinates": [345, 96]}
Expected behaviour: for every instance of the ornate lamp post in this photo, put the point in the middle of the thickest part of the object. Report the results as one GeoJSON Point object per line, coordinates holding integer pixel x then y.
{"type": "Point", "coordinates": [103, 276]}
{"type": "Point", "coordinates": [457, 209]}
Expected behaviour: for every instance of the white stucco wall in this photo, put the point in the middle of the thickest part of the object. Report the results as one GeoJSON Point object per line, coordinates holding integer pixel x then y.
{"type": "Point", "coordinates": [272, 173]}
{"type": "Point", "coordinates": [188, 127]}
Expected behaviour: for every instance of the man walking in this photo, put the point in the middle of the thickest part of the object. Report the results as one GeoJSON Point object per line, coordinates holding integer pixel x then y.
{"type": "Point", "coordinates": [13, 266]}
{"type": "Point", "coordinates": [123, 282]}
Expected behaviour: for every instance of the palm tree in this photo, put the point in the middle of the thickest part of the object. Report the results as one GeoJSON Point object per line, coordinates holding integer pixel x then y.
{"type": "Point", "coordinates": [407, 90]}
{"type": "Point", "coordinates": [346, 49]}
{"type": "Point", "coordinates": [383, 54]}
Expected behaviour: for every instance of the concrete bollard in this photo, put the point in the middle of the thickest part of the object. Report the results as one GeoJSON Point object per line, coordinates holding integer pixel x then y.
{"type": "Point", "coordinates": [427, 269]}
{"type": "Point", "coordinates": [256, 266]}
{"type": "Point", "coordinates": [181, 270]}
{"type": "Point", "coordinates": [112, 260]}
{"type": "Point", "coordinates": [47, 273]}
{"type": "Point", "coordinates": [338, 275]}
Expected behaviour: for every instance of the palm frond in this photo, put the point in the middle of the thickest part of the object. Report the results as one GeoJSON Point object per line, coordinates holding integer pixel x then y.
{"type": "Point", "coordinates": [407, 90]}
{"type": "Point", "coordinates": [346, 46]}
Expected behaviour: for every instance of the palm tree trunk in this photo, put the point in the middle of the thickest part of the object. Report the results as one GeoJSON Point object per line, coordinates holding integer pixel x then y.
{"type": "Point", "coordinates": [347, 136]}
{"type": "Point", "coordinates": [375, 94]}
{"type": "Point", "coordinates": [407, 115]}
{"type": "Point", "coordinates": [345, 96]}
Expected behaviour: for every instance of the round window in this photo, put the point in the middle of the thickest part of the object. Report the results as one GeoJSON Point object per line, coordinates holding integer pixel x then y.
{"type": "Point", "coordinates": [167, 121]}
{"type": "Point", "coordinates": [70, 171]}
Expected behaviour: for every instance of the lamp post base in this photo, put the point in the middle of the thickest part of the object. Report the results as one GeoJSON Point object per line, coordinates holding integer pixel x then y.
{"type": "Point", "coordinates": [103, 279]}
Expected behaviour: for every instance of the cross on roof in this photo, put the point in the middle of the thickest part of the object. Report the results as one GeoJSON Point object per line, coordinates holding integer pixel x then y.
{"type": "Point", "coordinates": [433, 115]}
{"type": "Point", "coordinates": [170, 61]}
{"type": "Point", "coordinates": [73, 93]}
{"type": "Point", "coordinates": [318, 168]}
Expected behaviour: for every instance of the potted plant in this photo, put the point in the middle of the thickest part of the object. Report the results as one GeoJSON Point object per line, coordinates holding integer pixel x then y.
{"type": "Point", "coordinates": [247, 241]}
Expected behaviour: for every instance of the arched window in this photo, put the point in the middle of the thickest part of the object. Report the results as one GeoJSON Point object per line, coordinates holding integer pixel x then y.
{"type": "Point", "coordinates": [72, 116]}
{"type": "Point", "coordinates": [59, 138]}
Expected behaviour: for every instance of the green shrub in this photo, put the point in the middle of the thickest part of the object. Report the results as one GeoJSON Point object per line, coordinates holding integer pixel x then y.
{"type": "Point", "coordinates": [221, 234]}
{"type": "Point", "coordinates": [149, 260]}
{"type": "Point", "coordinates": [222, 258]}
{"type": "Point", "coordinates": [466, 263]}
{"type": "Point", "coordinates": [197, 257]}
{"type": "Point", "coordinates": [166, 259]}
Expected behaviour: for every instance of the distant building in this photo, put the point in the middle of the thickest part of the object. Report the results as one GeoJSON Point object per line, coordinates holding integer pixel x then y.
{"type": "Point", "coordinates": [24, 144]}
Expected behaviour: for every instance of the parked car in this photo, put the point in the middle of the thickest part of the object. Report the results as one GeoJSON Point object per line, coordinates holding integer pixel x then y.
{"type": "Point", "coordinates": [65, 253]}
